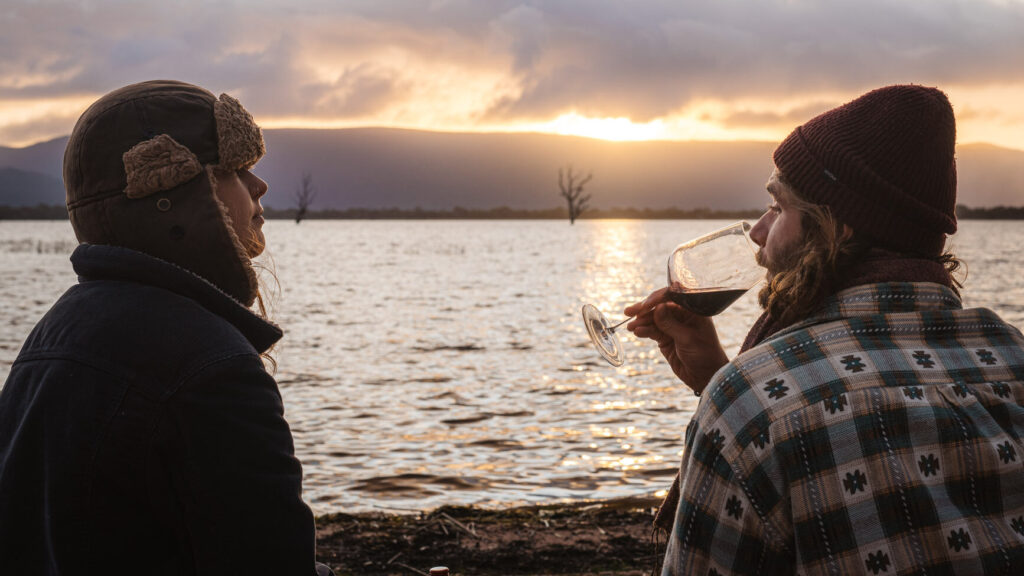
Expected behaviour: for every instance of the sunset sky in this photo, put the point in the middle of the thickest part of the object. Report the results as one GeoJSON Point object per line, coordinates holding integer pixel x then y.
{"type": "Point", "coordinates": [617, 69]}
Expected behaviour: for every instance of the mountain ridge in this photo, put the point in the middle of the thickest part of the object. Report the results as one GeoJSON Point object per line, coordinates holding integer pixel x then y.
{"type": "Point", "coordinates": [394, 167]}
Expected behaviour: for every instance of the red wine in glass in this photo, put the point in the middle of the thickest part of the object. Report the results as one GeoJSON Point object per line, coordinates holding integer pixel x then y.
{"type": "Point", "coordinates": [704, 301]}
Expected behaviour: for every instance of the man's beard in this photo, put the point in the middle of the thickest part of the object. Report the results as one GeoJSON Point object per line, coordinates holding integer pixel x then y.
{"type": "Point", "coordinates": [787, 262]}
{"type": "Point", "coordinates": [790, 257]}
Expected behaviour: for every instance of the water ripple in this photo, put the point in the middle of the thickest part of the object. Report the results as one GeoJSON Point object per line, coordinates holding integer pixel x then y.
{"type": "Point", "coordinates": [430, 363]}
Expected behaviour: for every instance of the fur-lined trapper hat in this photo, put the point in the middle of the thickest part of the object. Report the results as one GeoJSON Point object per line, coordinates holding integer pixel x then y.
{"type": "Point", "coordinates": [139, 173]}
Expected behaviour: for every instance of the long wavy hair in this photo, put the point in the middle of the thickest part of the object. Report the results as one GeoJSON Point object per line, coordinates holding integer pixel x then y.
{"type": "Point", "coordinates": [268, 289]}
{"type": "Point", "coordinates": [811, 271]}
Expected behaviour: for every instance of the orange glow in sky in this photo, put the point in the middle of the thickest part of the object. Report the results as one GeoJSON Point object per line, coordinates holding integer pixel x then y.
{"type": "Point", "coordinates": [637, 70]}
{"type": "Point", "coordinates": [985, 114]}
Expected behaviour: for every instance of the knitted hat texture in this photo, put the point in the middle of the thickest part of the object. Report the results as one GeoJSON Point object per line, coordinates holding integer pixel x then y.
{"type": "Point", "coordinates": [883, 163]}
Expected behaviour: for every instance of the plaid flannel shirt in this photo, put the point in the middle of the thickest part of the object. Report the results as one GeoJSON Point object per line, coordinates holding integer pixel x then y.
{"type": "Point", "coordinates": [880, 436]}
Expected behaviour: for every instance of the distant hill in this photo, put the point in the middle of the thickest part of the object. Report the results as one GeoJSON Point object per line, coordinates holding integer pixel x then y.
{"type": "Point", "coordinates": [45, 158]}
{"type": "Point", "coordinates": [990, 176]}
{"type": "Point", "coordinates": [26, 188]}
{"type": "Point", "coordinates": [383, 168]}
{"type": "Point", "coordinates": [403, 168]}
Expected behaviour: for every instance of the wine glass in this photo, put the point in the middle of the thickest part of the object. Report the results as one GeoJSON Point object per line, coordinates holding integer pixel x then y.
{"type": "Point", "coordinates": [705, 276]}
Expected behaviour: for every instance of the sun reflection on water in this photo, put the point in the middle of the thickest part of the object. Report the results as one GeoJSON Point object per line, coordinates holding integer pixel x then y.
{"type": "Point", "coordinates": [616, 264]}
{"type": "Point", "coordinates": [619, 404]}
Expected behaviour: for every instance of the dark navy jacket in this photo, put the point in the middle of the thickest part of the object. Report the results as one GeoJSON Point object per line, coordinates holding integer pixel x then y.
{"type": "Point", "coordinates": [140, 433]}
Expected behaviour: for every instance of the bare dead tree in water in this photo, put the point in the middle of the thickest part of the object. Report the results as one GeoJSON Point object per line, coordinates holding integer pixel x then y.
{"type": "Point", "coordinates": [572, 190]}
{"type": "Point", "coordinates": [304, 195]}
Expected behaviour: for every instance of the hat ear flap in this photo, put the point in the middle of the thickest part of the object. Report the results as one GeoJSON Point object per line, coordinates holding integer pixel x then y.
{"type": "Point", "coordinates": [158, 164]}
{"type": "Point", "coordinates": [187, 226]}
{"type": "Point", "coordinates": [239, 139]}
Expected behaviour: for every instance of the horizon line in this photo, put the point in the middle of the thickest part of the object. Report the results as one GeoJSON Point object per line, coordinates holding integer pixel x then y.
{"type": "Point", "coordinates": [556, 212]}
{"type": "Point", "coordinates": [463, 131]}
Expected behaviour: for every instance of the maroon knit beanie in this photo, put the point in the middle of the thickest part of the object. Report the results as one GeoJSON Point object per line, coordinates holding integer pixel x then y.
{"type": "Point", "coordinates": [884, 164]}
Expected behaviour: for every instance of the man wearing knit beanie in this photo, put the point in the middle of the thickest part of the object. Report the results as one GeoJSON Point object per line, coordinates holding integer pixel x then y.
{"type": "Point", "coordinates": [870, 423]}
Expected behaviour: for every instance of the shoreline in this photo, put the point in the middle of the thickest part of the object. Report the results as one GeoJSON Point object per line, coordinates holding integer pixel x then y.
{"type": "Point", "coordinates": [963, 212]}
{"type": "Point", "coordinates": [609, 537]}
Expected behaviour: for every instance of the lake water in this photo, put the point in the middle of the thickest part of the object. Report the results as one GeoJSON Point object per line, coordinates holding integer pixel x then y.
{"type": "Point", "coordinates": [444, 362]}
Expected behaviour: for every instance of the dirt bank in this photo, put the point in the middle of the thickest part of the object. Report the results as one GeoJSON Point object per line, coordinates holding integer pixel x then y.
{"type": "Point", "coordinates": [609, 537]}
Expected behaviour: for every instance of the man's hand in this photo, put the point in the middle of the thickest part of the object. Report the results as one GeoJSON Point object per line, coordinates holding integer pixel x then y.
{"type": "Point", "coordinates": [689, 342]}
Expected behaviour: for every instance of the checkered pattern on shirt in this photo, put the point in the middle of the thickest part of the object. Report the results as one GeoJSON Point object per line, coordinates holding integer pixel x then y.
{"type": "Point", "coordinates": [881, 436]}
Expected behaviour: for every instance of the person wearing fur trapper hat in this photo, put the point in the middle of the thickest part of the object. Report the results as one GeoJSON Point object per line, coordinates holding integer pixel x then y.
{"type": "Point", "coordinates": [143, 170]}
{"type": "Point", "coordinates": [139, 429]}
{"type": "Point", "coordinates": [869, 423]}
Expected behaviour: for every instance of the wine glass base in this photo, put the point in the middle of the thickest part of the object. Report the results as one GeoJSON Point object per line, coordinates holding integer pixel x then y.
{"type": "Point", "coordinates": [604, 338]}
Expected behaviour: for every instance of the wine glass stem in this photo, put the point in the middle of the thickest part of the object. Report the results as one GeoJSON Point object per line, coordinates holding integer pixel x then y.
{"type": "Point", "coordinates": [612, 328]}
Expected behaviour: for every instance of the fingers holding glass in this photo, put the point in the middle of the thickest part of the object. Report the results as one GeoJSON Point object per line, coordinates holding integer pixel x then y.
{"type": "Point", "coordinates": [705, 276]}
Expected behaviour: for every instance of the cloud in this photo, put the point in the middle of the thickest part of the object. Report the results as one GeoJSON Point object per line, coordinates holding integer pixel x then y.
{"type": "Point", "coordinates": [523, 32]}
{"type": "Point", "coordinates": [784, 118]}
{"type": "Point", "coordinates": [648, 59]}
{"type": "Point", "coordinates": [37, 129]}
{"type": "Point", "coordinates": [360, 91]}
{"type": "Point", "coordinates": [508, 61]}
{"type": "Point", "coordinates": [988, 114]}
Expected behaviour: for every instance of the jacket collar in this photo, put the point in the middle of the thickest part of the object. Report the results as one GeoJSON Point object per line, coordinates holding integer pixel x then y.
{"type": "Point", "coordinates": [880, 298]}
{"type": "Point", "coordinates": [100, 262]}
